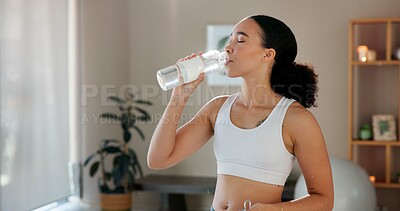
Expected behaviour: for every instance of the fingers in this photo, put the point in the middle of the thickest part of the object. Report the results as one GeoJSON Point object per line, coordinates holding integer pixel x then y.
{"type": "Point", "coordinates": [196, 82]}
{"type": "Point", "coordinates": [199, 79]}
{"type": "Point", "coordinates": [191, 56]}
{"type": "Point", "coordinates": [188, 57]}
{"type": "Point", "coordinates": [191, 86]}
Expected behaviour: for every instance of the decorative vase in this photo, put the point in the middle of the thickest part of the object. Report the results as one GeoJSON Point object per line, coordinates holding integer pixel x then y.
{"type": "Point", "coordinates": [365, 132]}
{"type": "Point", "coordinates": [116, 202]}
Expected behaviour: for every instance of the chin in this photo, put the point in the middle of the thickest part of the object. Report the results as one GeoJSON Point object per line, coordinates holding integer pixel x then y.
{"type": "Point", "coordinates": [231, 75]}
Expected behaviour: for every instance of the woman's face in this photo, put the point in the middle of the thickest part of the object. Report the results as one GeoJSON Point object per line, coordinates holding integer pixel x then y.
{"type": "Point", "coordinates": [246, 54]}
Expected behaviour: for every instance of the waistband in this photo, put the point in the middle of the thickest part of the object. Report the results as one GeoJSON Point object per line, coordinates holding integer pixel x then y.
{"type": "Point", "coordinates": [252, 173]}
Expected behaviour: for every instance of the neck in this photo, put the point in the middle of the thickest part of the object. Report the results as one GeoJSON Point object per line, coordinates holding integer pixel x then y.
{"type": "Point", "coordinates": [257, 92]}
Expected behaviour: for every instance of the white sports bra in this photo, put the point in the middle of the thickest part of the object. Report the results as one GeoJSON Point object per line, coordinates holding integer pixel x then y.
{"type": "Point", "coordinates": [257, 154]}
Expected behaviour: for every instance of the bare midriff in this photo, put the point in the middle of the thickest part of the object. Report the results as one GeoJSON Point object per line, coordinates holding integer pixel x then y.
{"type": "Point", "coordinates": [231, 192]}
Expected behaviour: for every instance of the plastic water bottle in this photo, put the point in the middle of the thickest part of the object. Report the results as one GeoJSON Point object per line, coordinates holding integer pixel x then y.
{"type": "Point", "coordinates": [188, 70]}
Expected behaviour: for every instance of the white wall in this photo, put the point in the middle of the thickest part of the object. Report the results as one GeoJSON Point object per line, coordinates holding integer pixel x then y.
{"type": "Point", "coordinates": [161, 32]}
{"type": "Point", "coordinates": [105, 69]}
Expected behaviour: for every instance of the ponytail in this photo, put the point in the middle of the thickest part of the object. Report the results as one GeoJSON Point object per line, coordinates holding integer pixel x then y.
{"type": "Point", "coordinates": [295, 81]}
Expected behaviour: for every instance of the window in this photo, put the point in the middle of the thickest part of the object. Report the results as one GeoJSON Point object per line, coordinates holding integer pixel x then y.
{"type": "Point", "coordinates": [34, 110]}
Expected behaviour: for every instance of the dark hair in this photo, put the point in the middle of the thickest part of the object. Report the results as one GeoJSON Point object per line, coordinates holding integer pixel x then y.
{"type": "Point", "coordinates": [292, 80]}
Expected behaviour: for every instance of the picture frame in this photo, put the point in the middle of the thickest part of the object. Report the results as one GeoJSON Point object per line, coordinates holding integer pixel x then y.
{"type": "Point", "coordinates": [217, 39]}
{"type": "Point", "coordinates": [384, 127]}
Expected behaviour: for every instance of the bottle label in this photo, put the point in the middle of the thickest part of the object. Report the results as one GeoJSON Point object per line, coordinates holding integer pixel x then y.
{"type": "Point", "coordinates": [191, 69]}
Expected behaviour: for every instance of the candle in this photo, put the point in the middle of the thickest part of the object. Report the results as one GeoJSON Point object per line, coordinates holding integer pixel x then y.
{"type": "Point", "coordinates": [372, 179]}
{"type": "Point", "coordinates": [362, 51]}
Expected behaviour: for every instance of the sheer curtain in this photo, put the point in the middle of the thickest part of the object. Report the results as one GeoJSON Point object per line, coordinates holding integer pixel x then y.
{"type": "Point", "coordinates": [34, 131]}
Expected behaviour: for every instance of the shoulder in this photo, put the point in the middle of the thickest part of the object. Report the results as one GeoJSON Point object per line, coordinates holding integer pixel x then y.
{"type": "Point", "coordinates": [219, 100]}
{"type": "Point", "coordinates": [297, 113]}
{"type": "Point", "coordinates": [300, 122]}
{"type": "Point", "coordinates": [216, 103]}
{"type": "Point", "coordinates": [213, 106]}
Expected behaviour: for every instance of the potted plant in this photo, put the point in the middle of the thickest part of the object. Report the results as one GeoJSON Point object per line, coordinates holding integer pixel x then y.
{"type": "Point", "coordinates": [117, 182]}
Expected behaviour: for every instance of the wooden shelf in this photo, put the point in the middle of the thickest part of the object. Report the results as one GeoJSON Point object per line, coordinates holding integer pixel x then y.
{"type": "Point", "coordinates": [375, 143]}
{"type": "Point", "coordinates": [367, 81]}
{"type": "Point", "coordinates": [374, 20]}
{"type": "Point", "coordinates": [374, 88]}
{"type": "Point", "coordinates": [387, 185]}
{"type": "Point", "coordinates": [376, 63]}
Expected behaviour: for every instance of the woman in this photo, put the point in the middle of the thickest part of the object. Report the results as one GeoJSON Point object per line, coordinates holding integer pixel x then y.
{"type": "Point", "coordinates": [257, 132]}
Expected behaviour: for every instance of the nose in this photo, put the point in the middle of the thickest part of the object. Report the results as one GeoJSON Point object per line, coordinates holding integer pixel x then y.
{"type": "Point", "coordinates": [228, 49]}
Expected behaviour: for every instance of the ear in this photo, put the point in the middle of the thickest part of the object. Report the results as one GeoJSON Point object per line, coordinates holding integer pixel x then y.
{"type": "Point", "coordinates": [269, 54]}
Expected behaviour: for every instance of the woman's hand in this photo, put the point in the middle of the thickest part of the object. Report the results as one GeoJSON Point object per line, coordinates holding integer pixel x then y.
{"type": "Point", "coordinates": [186, 90]}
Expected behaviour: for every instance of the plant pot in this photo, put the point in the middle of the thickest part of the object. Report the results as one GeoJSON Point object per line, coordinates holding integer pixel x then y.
{"type": "Point", "coordinates": [116, 202]}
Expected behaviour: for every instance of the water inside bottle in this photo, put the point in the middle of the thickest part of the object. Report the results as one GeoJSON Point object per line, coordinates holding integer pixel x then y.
{"type": "Point", "coordinates": [168, 77]}
{"type": "Point", "coordinates": [210, 62]}
{"type": "Point", "coordinates": [212, 65]}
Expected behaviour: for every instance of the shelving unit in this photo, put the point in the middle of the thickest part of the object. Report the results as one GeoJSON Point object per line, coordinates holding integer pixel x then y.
{"type": "Point", "coordinates": [374, 88]}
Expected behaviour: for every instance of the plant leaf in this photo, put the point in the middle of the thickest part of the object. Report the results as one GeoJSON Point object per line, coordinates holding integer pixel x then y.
{"type": "Point", "coordinates": [145, 102]}
{"type": "Point", "coordinates": [89, 158]}
{"type": "Point", "coordinates": [142, 111]}
{"type": "Point", "coordinates": [125, 163]}
{"type": "Point", "coordinates": [132, 154]}
{"type": "Point", "coordinates": [131, 181]}
{"type": "Point", "coordinates": [119, 189]}
{"type": "Point", "coordinates": [108, 141]}
{"type": "Point", "coordinates": [127, 136]}
{"type": "Point", "coordinates": [116, 99]}
{"type": "Point", "coordinates": [139, 131]}
{"type": "Point", "coordinates": [135, 162]}
{"type": "Point", "coordinates": [103, 187]}
{"type": "Point", "coordinates": [132, 119]}
{"type": "Point", "coordinates": [112, 150]}
{"type": "Point", "coordinates": [93, 168]}
{"type": "Point", "coordinates": [120, 170]}
{"type": "Point", "coordinates": [117, 175]}
{"type": "Point", "coordinates": [108, 176]}
{"type": "Point", "coordinates": [109, 116]}
{"type": "Point", "coordinates": [116, 161]}
{"type": "Point", "coordinates": [140, 169]}
{"type": "Point", "coordinates": [125, 121]}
